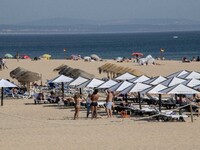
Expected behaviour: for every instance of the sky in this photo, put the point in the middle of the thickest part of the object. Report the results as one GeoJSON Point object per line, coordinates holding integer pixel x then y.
{"type": "Point", "coordinates": [18, 11]}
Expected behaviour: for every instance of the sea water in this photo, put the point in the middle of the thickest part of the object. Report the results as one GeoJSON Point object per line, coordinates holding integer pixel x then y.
{"type": "Point", "coordinates": [107, 46]}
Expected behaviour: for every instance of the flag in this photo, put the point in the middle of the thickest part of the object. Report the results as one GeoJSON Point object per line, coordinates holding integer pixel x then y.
{"type": "Point", "coordinates": [162, 50]}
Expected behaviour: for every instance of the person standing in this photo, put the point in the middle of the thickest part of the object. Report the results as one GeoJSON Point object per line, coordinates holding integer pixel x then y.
{"type": "Point", "coordinates": [77, 99]}
{"type": "Point", "coordinates": [94, 104]}
{"type": "Point", "coordinates": [109, 103]}
{"type": "Point", "coordinates": [88, 104]}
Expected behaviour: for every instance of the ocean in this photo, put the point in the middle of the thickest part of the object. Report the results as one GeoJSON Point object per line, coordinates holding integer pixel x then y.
{"type": "Point", "coordinates": [108, 46]}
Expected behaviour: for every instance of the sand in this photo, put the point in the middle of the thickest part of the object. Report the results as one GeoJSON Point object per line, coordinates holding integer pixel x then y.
{"type": "Point", "coordinates": [24, 125]}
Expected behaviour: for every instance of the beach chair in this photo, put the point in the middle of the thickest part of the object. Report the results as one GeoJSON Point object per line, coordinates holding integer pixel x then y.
{"type": "Point", "coordinates": [170, 116]}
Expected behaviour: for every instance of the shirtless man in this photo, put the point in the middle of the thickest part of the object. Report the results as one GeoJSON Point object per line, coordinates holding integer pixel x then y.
{"type": "Point", "coordinates": [94, 104]}
{"type": "Point", "coordinates": [109, 103]}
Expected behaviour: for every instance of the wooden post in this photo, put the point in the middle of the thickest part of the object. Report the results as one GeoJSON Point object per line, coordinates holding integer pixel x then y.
{"type": "Point", "coordinates": [191, 113]}
{"type": "Point", "coordinates": [139, 99]}
{"type": "Point", "coordinates": [63, 91]}
{"type": "Point", "coordinates": [160, 97]}
{"type": "Point", "coordinates": [2, 96]}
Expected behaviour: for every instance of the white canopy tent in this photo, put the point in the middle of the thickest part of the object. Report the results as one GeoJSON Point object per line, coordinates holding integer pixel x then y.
{"type": "Point", "coordinates": [140, 79]}
{"type": "Point", "coordinates": [191, 75]}
{"type": "Point", "coordinates": [120, 86]}
{"type": "Point", "coordinates": [4, 83]}
{"type": "Point", "coordinates": [172, 81]}
{"type": "Point", "coordinates": [178, 74]}
{"type": "Point", "coordinates": [191, 82]}
{"type": "Point", "coordinates": [107, 84]}
{"type": "Point", "coordinates": [125, 76]}
{"type": "Point", "coordinates": [179, 89]}
{"type": "Point", "coordinates": [92, 83]}
{"type": "Point", "coordinates": [78, 81]}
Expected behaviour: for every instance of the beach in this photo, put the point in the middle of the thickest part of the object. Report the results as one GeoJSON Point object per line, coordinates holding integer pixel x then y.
{"type": "Point", "coordinates": [25, 125]}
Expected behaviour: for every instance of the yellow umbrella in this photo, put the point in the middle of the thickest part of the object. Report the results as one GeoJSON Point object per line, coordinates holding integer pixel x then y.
{"type": "Point", "coordinates": [46, 56]}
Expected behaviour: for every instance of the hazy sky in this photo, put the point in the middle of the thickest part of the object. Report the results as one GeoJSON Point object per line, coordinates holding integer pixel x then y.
{"type": "Point", "coordinates": [15, 11]}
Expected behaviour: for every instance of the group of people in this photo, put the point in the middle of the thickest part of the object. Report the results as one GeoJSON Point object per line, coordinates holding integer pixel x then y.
{"type": "Point", "coordinates": [2, 64]}
{"type": "Point", "coordinates": [184, 59]}
{"type": "Point", "coordinates": [92, 103]}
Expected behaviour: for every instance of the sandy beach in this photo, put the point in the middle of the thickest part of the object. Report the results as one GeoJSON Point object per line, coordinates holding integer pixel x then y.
{"type": "Point", "coordinates": [25, 125]}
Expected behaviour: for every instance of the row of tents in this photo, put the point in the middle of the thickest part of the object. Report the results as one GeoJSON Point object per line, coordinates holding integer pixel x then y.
{"type": "Point", "coordinates": [182, 82]}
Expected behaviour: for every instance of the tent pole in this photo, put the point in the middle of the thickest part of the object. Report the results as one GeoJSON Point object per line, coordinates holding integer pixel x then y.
{"type": "Point", "coordinates": [2, 96]}
{"type": "Point", "coordinates": [160, 97]}
{"type": "Point", "coordinates": [139, 99]}
{"type": "Point", "coordinates": [63, 90]}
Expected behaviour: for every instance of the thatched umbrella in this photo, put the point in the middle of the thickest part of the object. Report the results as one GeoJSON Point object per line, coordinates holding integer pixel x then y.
{"type": "Point", "coordinates": [60, 67]}
{"type": "Point", "coordinates": [17, 72]}
{"type": "Point", "coordinates": [25, 76]}
{"type": "Point", "coordinates": [75, 73]}
{"type": "Point", "coordinates": [65, 71]}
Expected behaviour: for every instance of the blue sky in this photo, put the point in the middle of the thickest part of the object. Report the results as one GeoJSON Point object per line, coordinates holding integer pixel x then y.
{"type": "Point", "coordinates": [16, 11]}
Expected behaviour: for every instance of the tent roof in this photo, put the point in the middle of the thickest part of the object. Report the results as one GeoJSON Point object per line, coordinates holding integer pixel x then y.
{"type": "Point", "coordinates": [172, 81]}
{"type": "Point", "coordinates": [140, 79]}
{"type": "Point", "coordinates": [137, 87]}
{"type": "Point", "coordinates": [107, 84]}
{"type": "Point", "coordinates": [92, 83]}
{"type": "Point", "coordinates": [191, 82]}
{"type": "Point", "coordinates": [120, 86]}
{"type": "Point", "coordinates": [191, 75]}
{"type": "Point", "coordinates": [5, 83]}
{"type": "Point", "coordinates": [178, 74]}
{"type": "Point", "coordinates": [179, 89]}
{"type": "Point", "coordinates": [125, 76]}
{"type": "Point", "coordinates": [78, 81]}
{"type": "Point", "coordinates": [62, 78]}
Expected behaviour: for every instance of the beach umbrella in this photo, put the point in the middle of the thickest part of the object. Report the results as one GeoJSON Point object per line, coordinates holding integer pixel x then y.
{"type": "Point", "coordinates": [95, 57]}
{"type": "Point", "coordinates": [136, 88]}
{"type": "Point", "coordinates": [107, 84]}
{"type": "Point", "coordinates": [125, 76]}
{"type": "Point", "coordinates": [172, 81]}
{"type": "Point", "coordinates": [8, 55]}
{"type": "Point", "coordinates": [137, 54]}
{"type": "Point", "coordinates": [62, 79]}
{"type": "Point", "coordinates": [92, 83]}
{"type": "Point", "coordinates": [46, 56]}
{"type": "Point", "coordinates": [25, 57]}
{"type": "Point", "coordinates": [140, 79]}
{"type": "Point", "coordinates": [178, 74]}
{"type": "Point", "coordinates": [191, 75]}
{"type": "Point", "coordinates": [78, 81]}
{"type": "Point", "coordinates": [4, 83]}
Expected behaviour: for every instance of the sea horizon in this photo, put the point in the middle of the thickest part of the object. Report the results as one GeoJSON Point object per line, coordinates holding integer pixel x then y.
{"type": "Point", "coordinates": [175, 44]}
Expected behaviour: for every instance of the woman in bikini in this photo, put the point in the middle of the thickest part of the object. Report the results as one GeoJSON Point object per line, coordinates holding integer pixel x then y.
{"type": "Point", "coordinates": [77, 99]}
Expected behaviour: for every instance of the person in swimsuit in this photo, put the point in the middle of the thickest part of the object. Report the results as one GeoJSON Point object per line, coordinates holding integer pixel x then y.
{"type": "Point", "coordinates": [88, 104]}
{"type": "Point", "coordinates": [94, 104]}
{"type": "Point", "coordinates": [77, 99]}
{"type": "Point", "coordinates": [109, 103]}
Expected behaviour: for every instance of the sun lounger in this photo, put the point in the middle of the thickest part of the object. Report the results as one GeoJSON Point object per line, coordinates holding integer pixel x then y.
{"type": "Point", "coordinates": [170, 116]}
